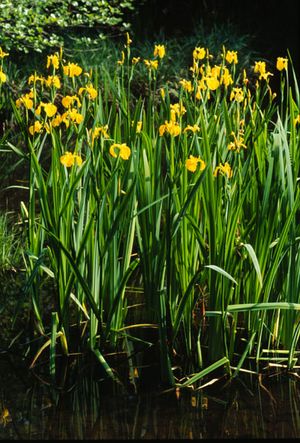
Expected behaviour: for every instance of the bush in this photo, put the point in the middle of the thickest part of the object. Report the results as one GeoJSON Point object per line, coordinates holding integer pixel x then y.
{"type": "Point", "coordinates": [26, 25]}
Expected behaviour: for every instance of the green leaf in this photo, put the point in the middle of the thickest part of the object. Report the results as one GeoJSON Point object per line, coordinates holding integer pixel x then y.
{"type": "Point", "coordinates": [255, 261]}
{"type": "Point", "coordinates": [221, 271]}
{"type": "Point", "coordinates": [223, 361]}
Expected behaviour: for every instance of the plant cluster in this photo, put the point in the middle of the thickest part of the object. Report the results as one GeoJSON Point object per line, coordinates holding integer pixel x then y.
{"type": "Point", "coordinates": [192, 198]}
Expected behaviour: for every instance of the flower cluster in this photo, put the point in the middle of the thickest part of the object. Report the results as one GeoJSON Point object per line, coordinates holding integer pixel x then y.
{"type": "Point", "coordinates": [207, 77]}
{"type": "Point", "coordinates": [46, 112]}
{"type": "Point", "coordinates": [49, 108]}
{"type": "Point", "coordinates": [58, 99]}
{"type": "Point", "coordinates": [159, 53]}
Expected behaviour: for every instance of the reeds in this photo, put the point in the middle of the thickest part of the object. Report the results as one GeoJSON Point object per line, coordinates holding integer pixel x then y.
{"type": "Point", "coordinates": [189, 196]}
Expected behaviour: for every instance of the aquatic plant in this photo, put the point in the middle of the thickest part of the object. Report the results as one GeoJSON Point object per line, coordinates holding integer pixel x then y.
{"type": "Point", "coordinates": [187, 197]}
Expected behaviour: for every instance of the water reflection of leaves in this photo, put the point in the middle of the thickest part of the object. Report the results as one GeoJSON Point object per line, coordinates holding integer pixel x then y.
{"type": "Point", "coordinates": [5, 417]}
{"type": "Point", "coordinates": [88, 410]}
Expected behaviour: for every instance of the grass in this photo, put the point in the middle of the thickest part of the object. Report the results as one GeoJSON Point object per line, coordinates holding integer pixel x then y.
{"type": "Point", "coordinates": [184, 190]}
{"type": "Point", "coordinates": [11, 244]}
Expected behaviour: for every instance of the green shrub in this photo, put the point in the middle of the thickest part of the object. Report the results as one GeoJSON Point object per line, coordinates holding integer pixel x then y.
{"type": "Point", "coordinates": [26, 25]}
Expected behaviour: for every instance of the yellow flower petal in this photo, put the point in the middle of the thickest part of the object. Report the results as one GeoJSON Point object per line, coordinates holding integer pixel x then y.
{"type": "Point", "coordinates": [50, 109]}
{"type": "Point", "coordinates": [212, 83]}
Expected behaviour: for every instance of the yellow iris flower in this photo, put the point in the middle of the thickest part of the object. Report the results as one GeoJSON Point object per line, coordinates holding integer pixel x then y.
{"type": "Point", "coordinates": [56, 121]}
{"type": "Point", "coordinates": [52, 80]}
{"type": "Point", "coordinates": [223, 169]}
{"type": "Point", "coordinates": [187, 85]}
{"type": "Point", "coordinates": [226, 78]}
{"type": "Point", "coordinates": [69, 159]}
{"type": "Point", "coordinates": [176, 110]}
{"type": "Point", "coordinates": [36, 127]}
{"type": "Point", "coordinates": [128, 39]}
{"type": "Point", "coordinates": [151, 64]}
{"type": "Point", "coordinates": [2, 53]}
{"type": "Point", "coordinates": [139, 125]}
{"type": "Point", "coordinates": [68, 101]}
{"type": "Point", "coordinates": [159, 51]}
{"type": "Point", "coordinates": [199, 53]}
{"type": "Point", "coordinates": [98, 131]}
{"type": "Point", "coordinates": [73, 116]}
{"type": "Point", "coordinates": [281, 63]}
{"type": "Point", "coordinates": [91, 91]}
{"type": "Point", "coordinates": [25, 100]}
{"type": "Point", "coordinates": [192, 162]}
{"type": "Point", "coordinates": [33, 78]}
{"type": "Point", "coordinates": [212, 83]}
{"type": "Point", "coordinates": [260, 68]}
{"type": "Point", "coordinates": [135, 60]}
{"type": "Point", "coordinates": [237, 94]}
{"type": "Point", "coordinates": [121, 62]}
{"type": "Point", "coordinates": [53, 60]}
{"type": "Point", "coordinates": [2, 76]}
{"type": "Point", "coordinates": [170, 127]}
{"type": "Point", "coordinates": [72, 70]}
{"type": "Point", "coordinates": [231, 57]}
{"type": "Point", "coordinates": [124, 150]}
{"type": "Point", "coordinates": [193, 128]}
{"type": "Point", "coordinates": [49, 108]}
{"type": "Point", "coordinates": [238, 142]}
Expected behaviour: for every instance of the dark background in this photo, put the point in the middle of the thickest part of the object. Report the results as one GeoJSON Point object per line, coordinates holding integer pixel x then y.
{"type": "Point", "coordinates": [274, 25]}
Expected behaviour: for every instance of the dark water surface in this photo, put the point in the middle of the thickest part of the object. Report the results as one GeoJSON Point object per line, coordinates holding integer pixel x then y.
{"type": "Point", "coordinates": [243, 408]}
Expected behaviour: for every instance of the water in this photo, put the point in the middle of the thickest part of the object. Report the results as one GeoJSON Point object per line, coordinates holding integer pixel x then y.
{"type": "Point", "coordinates": [243, 408]}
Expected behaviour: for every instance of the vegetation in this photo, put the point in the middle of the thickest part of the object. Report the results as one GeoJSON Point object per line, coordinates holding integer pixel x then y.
{"type": "Point", "coordinates": [35, 26]}
{"type": "Point", "coordinates": [162, 213]}
{"type": "Point", "coordinates": [10, 244]}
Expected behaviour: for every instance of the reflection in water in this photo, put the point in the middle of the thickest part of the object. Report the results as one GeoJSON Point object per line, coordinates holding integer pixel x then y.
{"type": "Point", "coordinates": [242, 409]}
